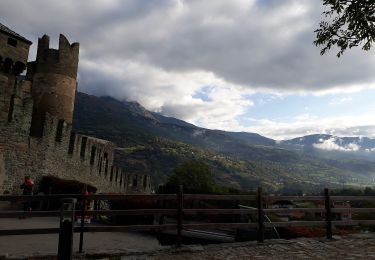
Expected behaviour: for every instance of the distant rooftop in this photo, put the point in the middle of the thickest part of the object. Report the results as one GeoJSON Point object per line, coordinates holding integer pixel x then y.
{"type": "Point", "coordinates": [8, 31]}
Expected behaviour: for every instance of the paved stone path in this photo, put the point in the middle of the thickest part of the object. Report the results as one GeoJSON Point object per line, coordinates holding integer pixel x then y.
{"type": "Point", "coordinates": [136, 246]}
{"type": "Point", "coordinates": [32, 245]}
{"type": "Point", "coordinates": [361, 246]}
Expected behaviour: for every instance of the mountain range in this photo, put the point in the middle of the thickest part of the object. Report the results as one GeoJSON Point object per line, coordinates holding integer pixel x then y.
{"type": "Point", "coordinates": [156, 144]}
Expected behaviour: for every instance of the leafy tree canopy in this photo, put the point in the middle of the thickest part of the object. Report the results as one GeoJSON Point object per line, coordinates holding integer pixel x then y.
{"type": "Point", "coordinates": [349, 23]}
{"type": "Point", "coordinates": [195, 176]}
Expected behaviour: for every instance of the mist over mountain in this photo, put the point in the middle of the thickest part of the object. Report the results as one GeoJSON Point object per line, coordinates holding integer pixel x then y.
{"type": "Point", "coordinates": [330, 146]}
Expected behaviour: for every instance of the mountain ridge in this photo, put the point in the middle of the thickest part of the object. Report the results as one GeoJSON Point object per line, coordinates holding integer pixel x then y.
{"type": "Point", "coordinates": [157, 144]}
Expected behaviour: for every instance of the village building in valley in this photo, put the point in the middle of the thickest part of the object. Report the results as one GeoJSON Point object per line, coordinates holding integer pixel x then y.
{"type": "Point", "coordinates": [36, 114]}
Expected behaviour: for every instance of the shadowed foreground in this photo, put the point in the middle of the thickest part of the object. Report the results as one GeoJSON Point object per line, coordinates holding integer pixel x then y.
{"type": "Point", "coordinates": [360, 246]}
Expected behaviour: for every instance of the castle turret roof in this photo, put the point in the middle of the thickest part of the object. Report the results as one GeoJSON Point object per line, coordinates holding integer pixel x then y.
{"type": "Point", "coordinates": [8, 31]}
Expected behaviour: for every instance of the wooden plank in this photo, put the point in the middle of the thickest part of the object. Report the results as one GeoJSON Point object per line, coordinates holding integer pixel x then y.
{"type": "Point", "coordinates": [356, 210]}
{"type": "Point", "coordinates": [328, 213]}
{"type": "Point", "coordinates": [90, 197]}
{"type": "Point", "coordinates": [126, 197]}
{"type": "Point", "coordinates": [173, 196]}
{"type": "Point", "coordinates": [13, 214]}
{"type": "Point", "coordinates": [180, 214]}
{"type": "Point", "coordinates": [131, 212]}
{"type": "Point", "coordinates": [34, 231]}
{"type": "Point", "coordinates": [353, 222]}
{"type": "Point", "coordinates": [353, 198]}
{"type": "Point", "coordinates": [37, 197]}
{"type": "Point", "coordinates": [260, 230]}
{"type": "Point", "coordinates": [219, 211]}
{"type": "Point", "coordinates": [219, 225]}
{"type": "Point", "coordinates": [291, 210]}
{"type": "Point", "coordinates": [126, 228]}
{"type": "Point", "coordinates": [133, 197]}
{"type": "Point", "coordinates": [295, 198]}
{"type": "Point", "coordinates": [218, 197]}
{"type": "Point", "coordinates": [296, 224]}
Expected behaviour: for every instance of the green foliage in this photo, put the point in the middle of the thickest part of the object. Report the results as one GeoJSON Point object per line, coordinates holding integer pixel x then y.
{"type": "Point", "coordinates": [369, 191]}
{"type": "Point", "coordinates": [195, 176]}
{"type": "Point", "coordinates": [350, 24]}
{"type": "Point", "coordinates": [347, 192]}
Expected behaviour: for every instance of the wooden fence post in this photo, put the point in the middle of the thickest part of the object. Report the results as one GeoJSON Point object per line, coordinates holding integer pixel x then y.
{"type": "Point", "coordinates": [83, 212]}
{"type": "Point", "coordinates": [260, 215]}
{"type": "Point", "coordinates": [327, 203]}
{"type": "Point", "coordinates": [65, 247]}
{"type": "Point", "coordinates": [180, 205]}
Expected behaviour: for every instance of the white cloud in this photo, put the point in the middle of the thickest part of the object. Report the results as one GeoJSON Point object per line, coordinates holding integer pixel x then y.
{"type": "Point", "coordinates": [235, 40]}
{"type": "Point", "coordinates": [161, 53]}
{"type": "Point", "coordinates": [338, 101]}
{"type": "Point", "coordinates": [305, 124]}
{"type": "Point", "coordinates": [144, 83]}
{"type": "Point", "coordinates": [331, 145]}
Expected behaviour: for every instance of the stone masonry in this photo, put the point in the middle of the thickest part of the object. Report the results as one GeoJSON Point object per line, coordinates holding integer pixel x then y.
{"type": "Point", "coordinates": [36, 114]}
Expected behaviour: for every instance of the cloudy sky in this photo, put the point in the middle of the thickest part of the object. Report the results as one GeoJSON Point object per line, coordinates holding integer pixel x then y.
{"type": "Point", "coordinates": [233, 65]}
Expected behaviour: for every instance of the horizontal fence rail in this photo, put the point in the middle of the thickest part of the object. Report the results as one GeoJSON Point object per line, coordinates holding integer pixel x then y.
{"type": "Point", "coordinates": [179, 212]}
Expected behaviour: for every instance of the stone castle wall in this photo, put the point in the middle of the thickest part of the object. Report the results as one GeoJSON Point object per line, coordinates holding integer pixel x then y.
{"type": "Point", "coordinates": [58, 152]}
{"type": "Point", "coordinates": [36, 137]}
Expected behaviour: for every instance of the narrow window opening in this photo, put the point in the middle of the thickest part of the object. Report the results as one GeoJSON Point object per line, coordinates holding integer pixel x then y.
{"type": "Point", "coordinates": [106, 164]}
{"type": "Point", "coordinates": [126, 180]}
{"type": "Point", "coordinates": [59, 131]}
{"type": "Point", "coordinates": [11, 109]}
{"type": "Point", "coordinates": [99, 152]}
{"type": "Point", "coordinates": [111, 177]}
{"type": "Point", "coordinates": [106, 168]}
{"type": "Point", "coordinates": [144, 182]}
{"type": "Point", "coordinates": [71, 142]}
{"type": "Point", "coordinates": [83, 147]}
{"type": "Point", "coordinates": [12, 42]}
{"type": "Point", "coordinates": [135, 181]}
{"type": "Point", "coordinates": [116, 177]}
{"type": "Point", "coordinates": [100, 165]}
{"type": "Point", "coordinates": [92, 155]}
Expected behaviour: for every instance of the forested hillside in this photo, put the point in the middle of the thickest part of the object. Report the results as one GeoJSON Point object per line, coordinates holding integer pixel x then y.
{"type": "Point", "coordinates": [156, 144]}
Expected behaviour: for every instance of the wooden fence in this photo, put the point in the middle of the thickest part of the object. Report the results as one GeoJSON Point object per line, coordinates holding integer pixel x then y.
{"type": "Point", "coordinates": [179, 212]}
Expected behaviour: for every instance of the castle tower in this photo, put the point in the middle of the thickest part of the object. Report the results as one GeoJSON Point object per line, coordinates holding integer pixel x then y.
{"type": "Point", "coordinates": [54, 76]}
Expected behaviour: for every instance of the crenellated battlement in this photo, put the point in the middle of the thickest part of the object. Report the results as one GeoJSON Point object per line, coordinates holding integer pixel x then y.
{"type": "Point", "coordinates": [63, 60]}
